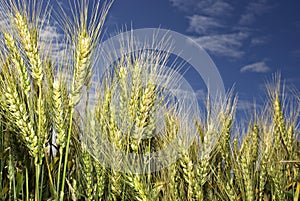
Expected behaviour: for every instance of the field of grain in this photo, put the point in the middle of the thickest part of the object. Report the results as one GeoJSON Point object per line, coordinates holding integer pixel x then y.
{"type": "Point", "coordinates": [52, 149]}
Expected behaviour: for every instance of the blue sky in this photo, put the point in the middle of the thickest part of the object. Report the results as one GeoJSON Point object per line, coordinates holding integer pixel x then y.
{"type": "Point", "coordinates": [248, 40]}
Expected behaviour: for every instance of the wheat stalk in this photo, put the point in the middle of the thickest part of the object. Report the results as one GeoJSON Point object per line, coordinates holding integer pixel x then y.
{"type": "Point", "coordinates": [188, 173]}
{"type": "Point", "coordinates": [115, 186]}
{"type": "Point", "coordinates": [101, 178]}
{"type": "Point", "coordinates": [264, 162]}
{"type": "Point", "coordinates": [29, 41]}
{"type": "Point", "coordinates": [144, 124]}
{"type": "Point", "coordinates": [18, 61]}
{"type": "Point", "coordinates": [135, 90]}
{"type": "Point", "coordinates": [279, 125]}
{"type": "Point", "coordinates": [59, 120]}
{"type": "Point", "coordinates": [139, 187]}
{"type": "Point", "coordinates": [88, 174]}
{"type": "Point", "coordinates": [173, 181]}
{"type": "Point", "coordinates": [290, 140]}
{"type": "Point", "coordinates": [19, 114]}
{"type": "Point", "coordinates": [82, 64]}
{"type": "Point", "coordinates": [247, 175]}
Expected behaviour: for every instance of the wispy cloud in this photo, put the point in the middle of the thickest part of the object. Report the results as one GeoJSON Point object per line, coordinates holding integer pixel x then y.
{"type": "Point", "coordinates": [52, 39]}
{"type": "Point", "coordinates": [228, 45]}
{"type": "Point", "coordinates": [218, 8]}
{"type": "Point", "coordinates": [258, 67]}
{"type": "Point", "coordinates": [244, 105]}
{"type": "Point", "coordinates": [211, 8]}
{"type": "Point", "coordinates": [247, 106]}
{"type": "Point", "coordinates": [256, 41]}
{"type": "Point", "coordinates": [201, 95]}
{"type": "Point", "coordinates": [218, 28]}
{"type": "Point", "coordinates": [202, 24]}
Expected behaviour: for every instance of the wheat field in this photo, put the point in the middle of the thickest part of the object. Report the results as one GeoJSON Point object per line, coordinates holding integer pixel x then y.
{"type": "Point", "coordinates": [54, 134]}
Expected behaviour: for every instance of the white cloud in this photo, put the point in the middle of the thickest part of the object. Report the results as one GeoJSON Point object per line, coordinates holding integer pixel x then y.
{"type": "Point", "coordinates": [201, 95]}
{"type": "Point", "coordinates": [213, 32]}
{"type": "Point", "coordinates": [52, 40]}
{"type": "Point", "coordinates": [244, 105]}
{"type": "Point", "coordinates": [258, 67]}
{"type": "Point", "coordinates": [247, 18]}
{"type": "Point", "coordinates": [50, 33]}
{"type": "Point", "coordinates": [218, 8]}
{"type": "Point", "coordinates": [211, 8]}
{"type": "Point", "coordinates": [259, 7]}
{"type": "Point", "coordinates": [184, 5]}
{"type": "Point", "coordinates": [258, 40]}
{"type": "Point", "coordinates": [202, 24]}
{"type": "Point", "coordinates": [224, 44]}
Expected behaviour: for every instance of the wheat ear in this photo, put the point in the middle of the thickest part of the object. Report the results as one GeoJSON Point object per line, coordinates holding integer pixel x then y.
{"type": "Point", "coordinates": [144, 124]}
{"type": "Point", "coordinates": [188, 173]}
{"type": "Point", "coordinates": [101, 178]}
{"type": "Point", "coordinates": [88, 174]}
{"type": "Point", "coordinates": [82, 64]}
{"type": "Point", "coordinates": [29, 41]}
{"type": "Point", "coordinates": [59, 120]}
{"type": "Point", "coordinates": [18, 61]}
{"type": "Point", "coordinates": [18, 111]}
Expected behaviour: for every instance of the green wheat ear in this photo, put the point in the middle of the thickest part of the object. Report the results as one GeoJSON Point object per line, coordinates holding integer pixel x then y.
{"type": "Point", "coordinates": [83, 63]}
{"type": "Point", "coordinates": [59, 113]}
